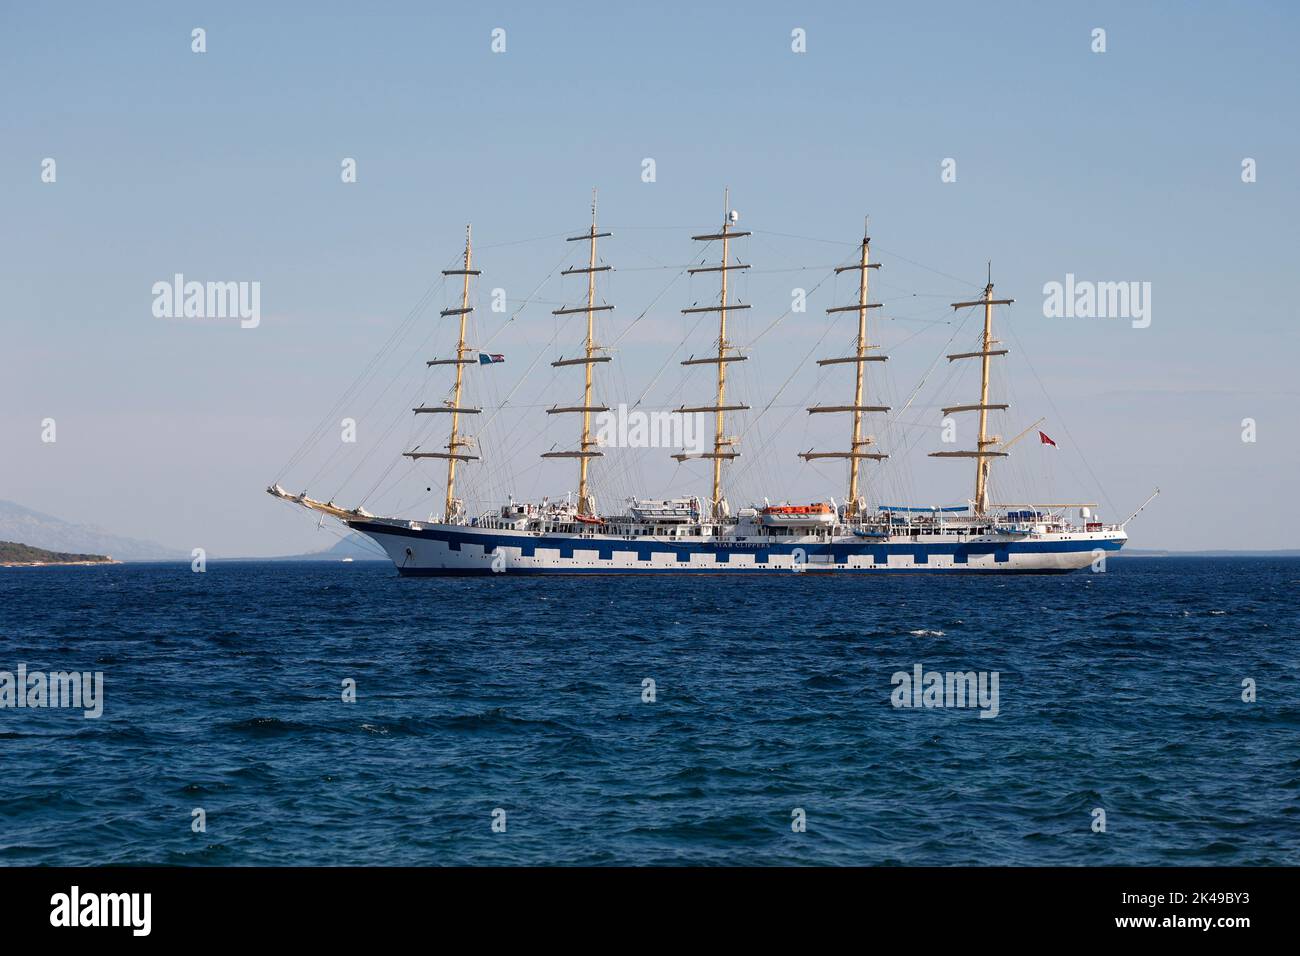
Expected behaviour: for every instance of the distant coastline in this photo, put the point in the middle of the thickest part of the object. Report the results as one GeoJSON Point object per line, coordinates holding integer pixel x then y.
{"type": "Point", "coordinates": [16, 555]}
{"type": "Point", "coordinates": [1220, 553]}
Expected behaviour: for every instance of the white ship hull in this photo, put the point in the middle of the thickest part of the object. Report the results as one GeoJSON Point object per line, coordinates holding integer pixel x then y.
{"type": "Point", "coordinates": [420, 548]}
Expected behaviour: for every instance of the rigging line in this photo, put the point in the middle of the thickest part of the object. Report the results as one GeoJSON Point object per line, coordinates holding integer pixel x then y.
{"type": "Point", "coordinates": [668, 361]}
{"type": "Point", "coordinates": [919, 430]}
{"type": "Point", "coordinates": [393, 380]}
{"type": "Point", "coordinates": [826, 479]}
{"type": "Point", "coordinates": [537, 301]}
{"type": "Point", "coordinates": [919, 265]}
{"type": "Point", "coordinates": [658, 263]}
{"type": "Point", "coordinates": [416, 377]}
{"type": "Point", "coordinates": [915, 320]}
{"type": "Point", "coordinates": [520, 242]}
{"type": "Point", "coordinates": [905, 443]}
{"type": "Point", "coordinates": [382, 438]}
{"type": "Point", "coordinates": [507, 440]}
{"type": "Point", "coordinates": [760, 452]}
{"type": "Point", "coordinates": [395, 423]}
{"type": "Point", "coordinates": [921, 384]}
{"type": "Point", "coordinates": [894, 348]}
{"type": "Point", "coordinates": [787, 235]}
{"type": "Point", "coordinates": [798, 367]}
{"type": "Point", "coordinates": [482, 427]}
{"type": "Point", "coordinates": [314, 436]}
{"type": "Point", "coordinates": [886, 250]}
{"type": "Point", "coordinates": [422, 435]}
{"type": "Point", "coordinates": [387, 471]}
{"type": "Point", "coordinates": [681, 271]}
{"type": "Point", "coordinates": [418, 429]}
{"type": "Point", "coordinates": [897, 291]}
{"type": "Point", "coordinates": [340, 448]}
{"type": "Point", "coordinates": [787, 313]}
{"type": "Point", "coordinates": [913, 424]}
{"type": "Point", "coordinates": [560, 327]}
{"type": "Point", "coordinates": [816, 268]}
{"type": "Point", "coordinates": [371, 368]}
{"type": "Point", "coordinates": [915, 295]}
{"type": "Point", "coordinates": [1064, 427]}
{"type": "Point", "coordinates": [646, 310]}
{"type": "Point", "coordinates": [952, 373]}
{"type": "Point", "coordinates": [505, 402]}
{"type": "Point", "coordinates": [363, 378]}
{"type": "Point", "coordinates": [527, 299]}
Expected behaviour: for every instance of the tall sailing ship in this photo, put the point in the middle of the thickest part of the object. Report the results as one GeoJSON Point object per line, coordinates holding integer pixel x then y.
{"type": "Point", "coordinates": [695, 534]}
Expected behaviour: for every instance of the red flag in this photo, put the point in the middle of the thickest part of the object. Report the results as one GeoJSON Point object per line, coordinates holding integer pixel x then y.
{"type": "Point", "coordinates": [1042, 437]}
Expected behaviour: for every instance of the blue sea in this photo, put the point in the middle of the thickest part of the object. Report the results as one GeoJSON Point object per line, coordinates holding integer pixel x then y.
{"type": "Point", "coordinates": [524, 702]}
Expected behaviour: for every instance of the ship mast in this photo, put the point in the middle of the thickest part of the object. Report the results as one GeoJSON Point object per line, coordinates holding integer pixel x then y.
{"type": "Point", "coordinates": [982, 454]}
{"type": "Point", "coordinates": [586, 445]}
{"type": "Point", "coordinates": [855, 454]}
{"type": "Point", "coordinates": [456, 441]}
{"type": "Point", "coordinates": [722, 444]}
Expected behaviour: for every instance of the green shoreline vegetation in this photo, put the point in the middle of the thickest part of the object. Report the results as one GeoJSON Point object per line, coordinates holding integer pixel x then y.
{"type": "Point", "coordinates": [14, 554]}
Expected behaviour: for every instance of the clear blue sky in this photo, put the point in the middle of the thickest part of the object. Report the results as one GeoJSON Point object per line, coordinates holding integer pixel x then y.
{"type": "Point", "coordinates": [225, 166]}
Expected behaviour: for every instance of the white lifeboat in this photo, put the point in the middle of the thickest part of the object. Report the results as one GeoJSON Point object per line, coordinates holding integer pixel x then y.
{"type": "Point", "coordinates": [666, 511]}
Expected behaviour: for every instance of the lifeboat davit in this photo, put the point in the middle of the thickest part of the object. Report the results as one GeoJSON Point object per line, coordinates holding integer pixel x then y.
{"type": "Point", "coordinates": [818, 515]}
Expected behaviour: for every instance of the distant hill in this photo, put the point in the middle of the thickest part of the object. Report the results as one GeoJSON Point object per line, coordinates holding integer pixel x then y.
{"type": "Point", "coordinates": [54, 534]}
{"type": "Point", "coordinates": [11, 552]}
{"type": "Point", "coordinates": [355, 546]}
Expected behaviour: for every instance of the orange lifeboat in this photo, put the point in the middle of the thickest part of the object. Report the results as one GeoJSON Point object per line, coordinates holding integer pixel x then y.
{"type": "Point", "coordinates": [798, 516]}
{"type": "Point", "coordinates": [817, 509]}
